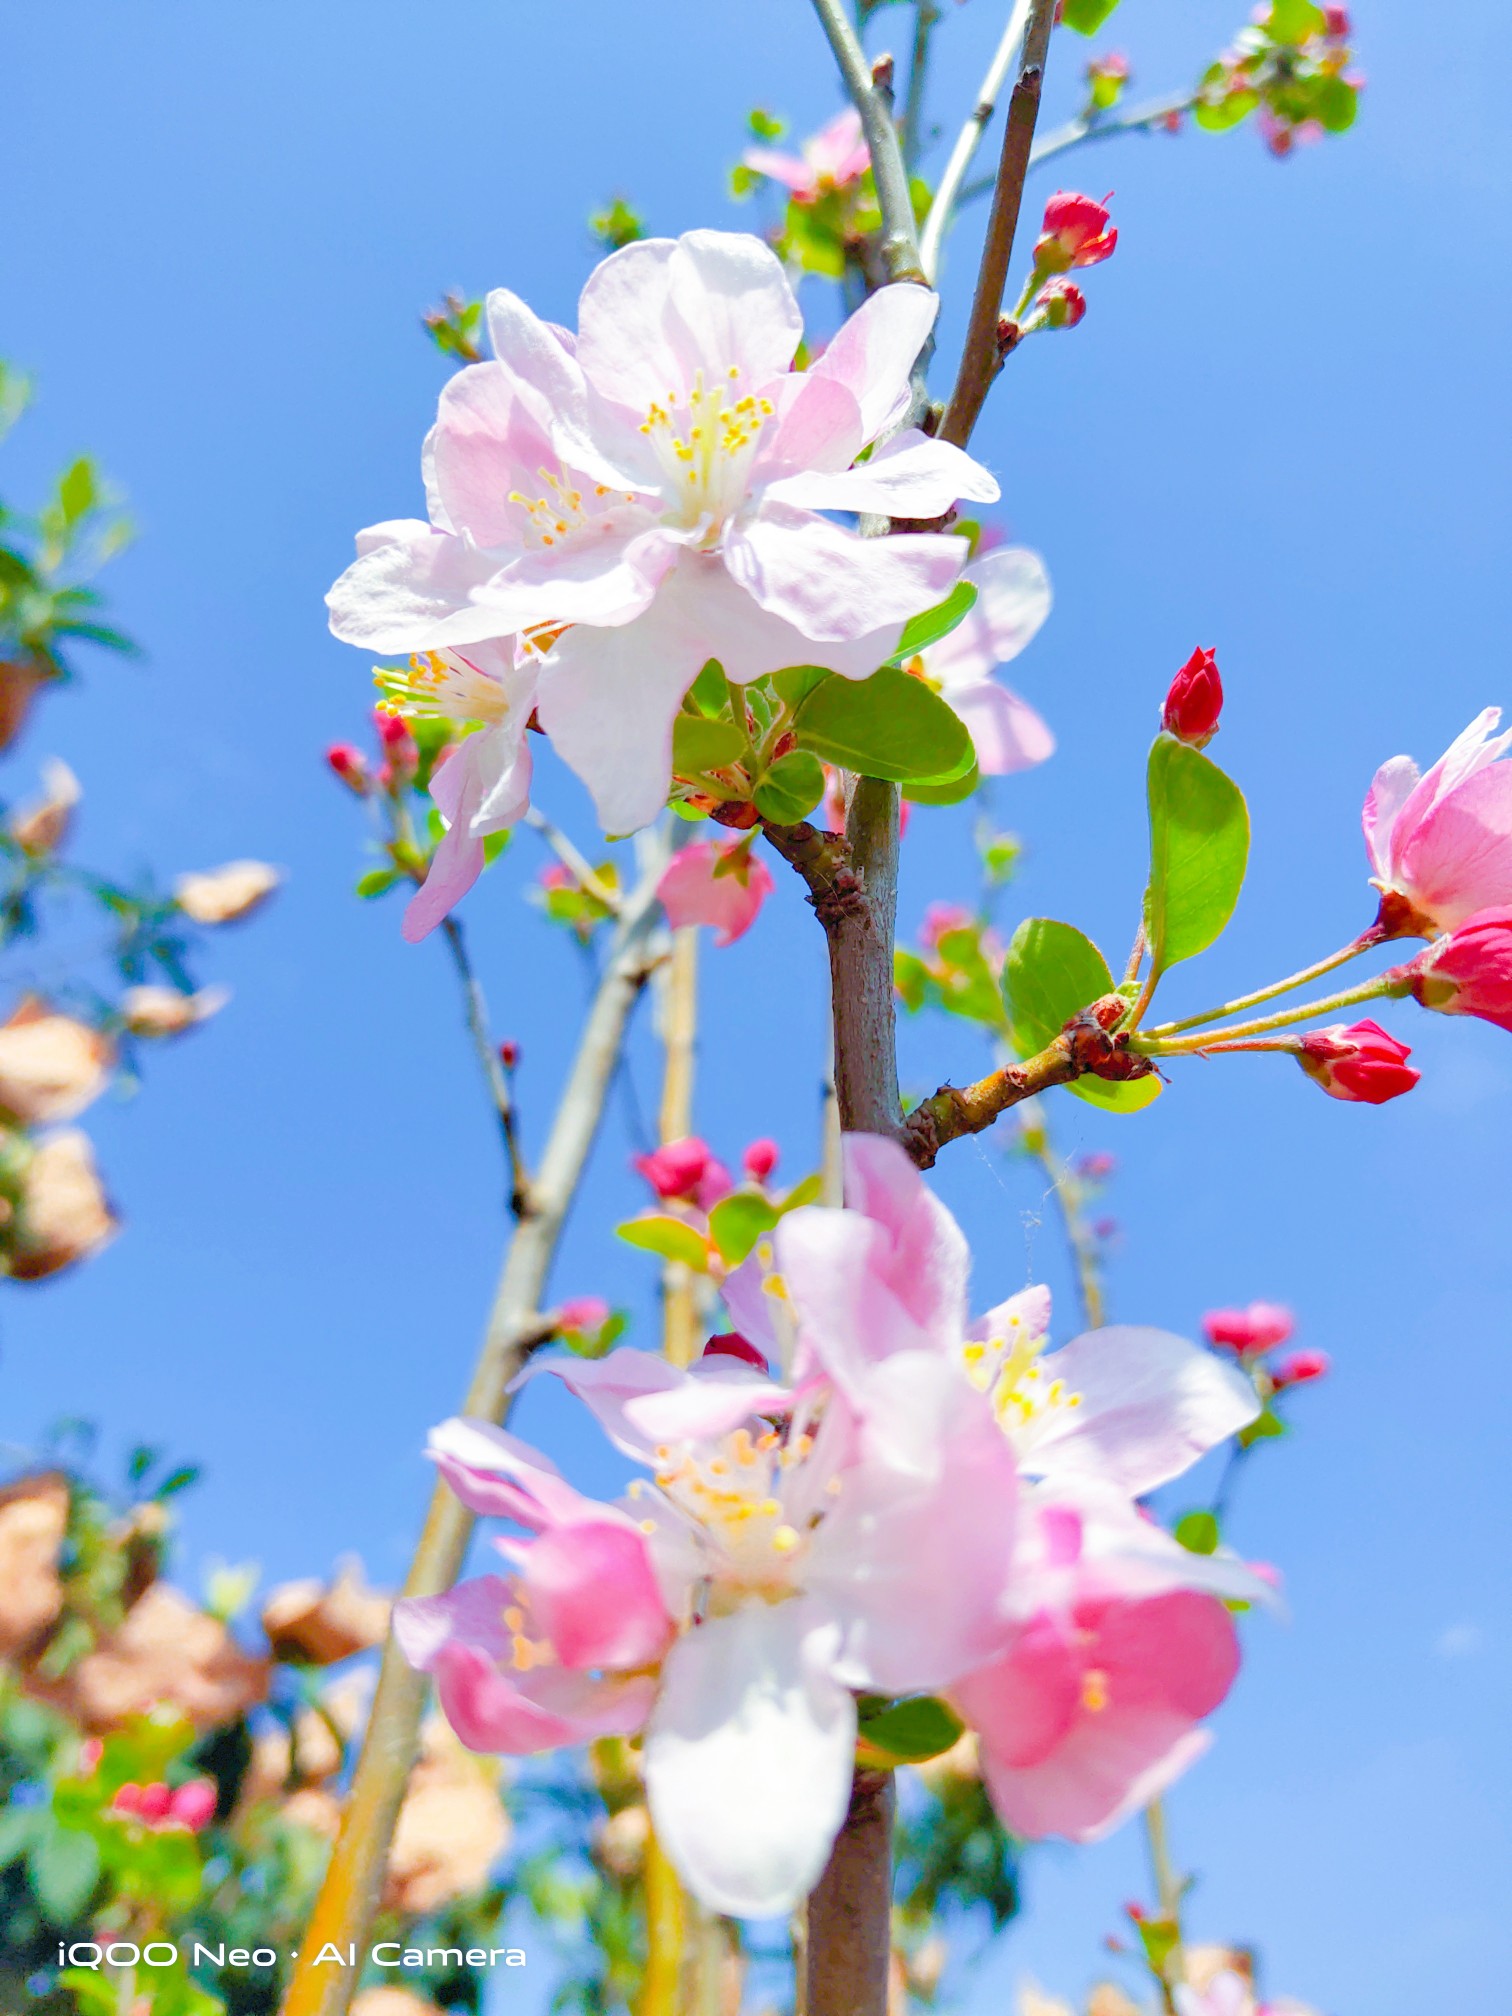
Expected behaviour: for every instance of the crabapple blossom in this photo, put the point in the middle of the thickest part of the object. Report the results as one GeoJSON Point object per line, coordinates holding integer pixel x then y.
{"type": "Point", "coordinates": [1258, 1328]}
{"type": "Point", "coordinates": [1195, 700]}
{"type": "Point", "coordinates": [1441, 843]}
{"type": "Point", "coordinates": [1299, 1368]}
{"type": "Point", "coordinates": [628, 503]}
{"type": "Point", "coordinates": [708, 884]}
{"type": "Point", "coordinates": [760, 1159]}
{"type": "Point", "coordinates": [1013, 600]}
{"type": "Point", "coordinates": [1360, 1062]}
{"type": "Point", "coordinates": [832, 158]}
{"type": "Point", "coordinates": [1469, 972]}
{"type": "Point", "coordinates": [1076, 232]}
{"type": "Point", "coordinates": [686, 1170]}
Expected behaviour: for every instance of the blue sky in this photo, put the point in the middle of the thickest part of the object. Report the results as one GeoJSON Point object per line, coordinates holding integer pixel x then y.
{"type": "Point", "coordinates": [1281, 430]}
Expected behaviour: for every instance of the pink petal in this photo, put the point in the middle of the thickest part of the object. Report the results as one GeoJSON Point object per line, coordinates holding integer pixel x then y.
{"type": "Point", "coordinates": [1458, 859]}
{"type": "Point", "coordinates": [874, 353]}
{"type": "Point", "coordinates": [593, 1591]}
{"type": "Point", "coordinates": [1006, 733]}
{"type": "Point", "coordinates": [1013, 600]}
{"type": "Point", "coordinates": [911, 477]}
{"type": "Point", "coordinates": [692, 893]}
{"type": "Point", "coordinates": [834, 585]}
{"type": "Point", "coordinates": [496, 1474]}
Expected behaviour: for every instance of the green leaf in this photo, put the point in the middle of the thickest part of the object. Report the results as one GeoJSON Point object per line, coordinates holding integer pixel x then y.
{"type": "Point", "coordinates": [1198, 1532]}
{"type": "Point", "coordinates": [911, 1732]}
{"type": "Point", "coordinates": [911, 979]}
{"type": "Point", "coordinates": [1112, 1095]}
{"type": "Point", "coordinates": [794, 683]}
{"type": "Point", "coordinates": [377, 882]}
{"type": "Point", "coordinates": [1051, 973]}
{"type": "Point", "coordinates": [710, 691]}
{"type": "Point", "coordinates": [1086, 16]}
{"type": "Point", "coordinates": [1293, 21]}
{"type": "Point", "coordinates": [919, 632]}
{"type": "Point", "coordinates": [944, 790]}
{"type": "Point", "coordinates": [178, 1480]}
{"type": "Point", "coordinates": [64, 1867]}
{"type": "Point", "coordinates": [737, 1222]}
{"type": "Point", "coordinates": [1199, 848]}
{"type": "Point", "coordinates": [78, 491]}
{"type": "Point", "coordinates": [18, 1828]}
{"type": "Point", "coordinates": [1266, 1427]}
{"type": "Point", "coordinates": [1334, 104]}
{"type": "Point", "coordinates": [809, 1191]}
{"type": "Point", "coordinates": [669, 1237]}
{"type": "Point", "coordinates": [889, 726]}
{"type": "Point", "coordinates": [700, 744]}
{"type": "Point", "coordinates": [791, 789]}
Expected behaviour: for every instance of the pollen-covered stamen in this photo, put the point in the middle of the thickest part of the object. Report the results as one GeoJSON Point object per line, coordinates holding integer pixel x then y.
{"type": "Point", "coordinates": [441, 686]}
{"type": "Point", "coordinates": [706, 441]}
{"type": "Point", "coordinates": [739, 1500]}
{"type": "Point", "coordinates": [1009, 1370]}
{"type": "Point", "coordinates": [1096, 1694]}
{"type": "Point", "coordinates": [525, 1652]}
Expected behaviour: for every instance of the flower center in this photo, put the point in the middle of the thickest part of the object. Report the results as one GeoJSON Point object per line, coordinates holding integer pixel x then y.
{"type": "Point", "coordinates": [734, 1498]}
{"type": "Point", "coordinates": [1008, 1369]}
{"type": "Point", "coordinates": [705, 443]}
{"type": "Point", "coordinates": [440, 686]}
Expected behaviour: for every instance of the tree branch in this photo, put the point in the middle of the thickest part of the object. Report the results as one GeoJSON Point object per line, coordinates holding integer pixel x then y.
{"type": "Point", "coordinates": [926, 18]}
{"type": "Point", "coordinates": [848, 1943]}
{"type": "Point", "coordinates": [980, 355]}
{"type": "Point", "coordinates": [947, 195]}
{"type": "Point", "coordinates": [348, 1899]}
{"type": "Point", "coordinates": [476, 1011]}
{"type": "Point", "coordinates": [900, 245]}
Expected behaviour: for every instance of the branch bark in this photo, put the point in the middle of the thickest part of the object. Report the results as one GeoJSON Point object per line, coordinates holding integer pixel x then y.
{"type": "Point", "coordinates": [980, 355]}
{"type": "Point", "coordinates": [848, 1944]}
{"type": "Point", "coordinates": [348, 1899]}
{"type": "Point", "coordinates": [948, 195]}
{"type": "Point", "coordinates": [900, 245]}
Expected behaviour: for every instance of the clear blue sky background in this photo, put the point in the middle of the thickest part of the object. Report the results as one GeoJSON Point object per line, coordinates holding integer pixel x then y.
{"type": "Point", "coordinates": [1282, 429]}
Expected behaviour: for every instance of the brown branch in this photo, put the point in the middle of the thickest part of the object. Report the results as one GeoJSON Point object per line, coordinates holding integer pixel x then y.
{"type": "Point", "coordinates": [848, 1943]}
{"type": "Point", "coordinates": [348, 1899]}
{"type": "Point", "coordinates": [981, 356]}
{"type": "Point", "coordinates": [475, 1010]}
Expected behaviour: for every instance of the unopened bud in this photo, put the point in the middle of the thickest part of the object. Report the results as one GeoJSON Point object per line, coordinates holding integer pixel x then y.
{"type": "Point", "coordinates": [509, 1054]}
{"type": "Point", "coordinates": [761, 1159]}
{"type": "Point", "coordinates": [1299, 1368]}
{"type": "Point", "coordinates": [399, 747]}
{"type": "Point", "coordinates": [1336, 23]}
{"type": "Point", "coordinates": [1061, 304]}
{"type": "Point", "coordinates": [1260, 1327]}
{"type": "Point", "coordinates": [350, 766]}
{"type": "Point", "coordinates": [1076, 232]}
{"type": "Point", "coordinates": [732, 1345]}
{"type": "Point", "coordinates": [1195, 701]}
{"type": "Point", "coordinates": [882, 70]}
{"type": "Point", "coordinates": [1469, 972]}
{"type": "Point", "coordinates": [1360, 1062]}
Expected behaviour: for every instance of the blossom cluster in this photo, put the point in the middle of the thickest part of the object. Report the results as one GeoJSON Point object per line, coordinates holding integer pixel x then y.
{"type": "Point", "coordinates": [860, 1492]}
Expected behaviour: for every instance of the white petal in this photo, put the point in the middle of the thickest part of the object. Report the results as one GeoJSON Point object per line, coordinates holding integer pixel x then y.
{"type": "Point", "coordinates": [912, 477]}
{"type": "Point", "coordinates": [748, 1757]}
{"type": "Point", "coordinates": [1006, 733]}
{"type": "Point", "coordinates": [833, 585]}
{"type": "Point", "coordinates": [1013, 600]}
{"type": "Point", "coordinates": [874, 352]}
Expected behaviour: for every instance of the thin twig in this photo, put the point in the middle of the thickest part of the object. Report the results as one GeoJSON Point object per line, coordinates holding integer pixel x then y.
{"type": "Point", "coordinates": [900, 245]}
{"type": "Point", "coordinates": [476, 1011]}
{"type": "Point", "coordinates": [1082, 131]}
{"type": "Point", "coordinates": [926, 16]}
{"type": "Point", "coordinates": [571, 858]}
{"type": "Point", "coordinates": [348, 1899]}
{"type": "Point", "coordinates": [1066, 1186]}
{"type": "Point", "coordinates": [948, 194]}
{"type": "Point", "coordinates": [980, 356]}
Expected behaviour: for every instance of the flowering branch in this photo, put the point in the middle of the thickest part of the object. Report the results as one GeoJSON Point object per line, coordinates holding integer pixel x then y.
{"type": "Point", "coordinates": [1374, 936]}
{"type": "Point", "coordinates": [900, 249]}
{"type": "Point", "coordinates": [574, 860]}
{"type": "Point", "coordinates": [980, 356]}
{"type": "Point", "coordinates": [1104, 126]}
{"type": "Point", "coordinates": [948, 194]}
{"type": "Point", "coordinates": [1390, 984]}
{"type": "Point", "coordinates": [348, 1899]}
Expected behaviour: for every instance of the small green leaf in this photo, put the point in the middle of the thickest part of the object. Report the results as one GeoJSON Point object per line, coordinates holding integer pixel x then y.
{"type": "Point", "coordinates": [494, 845]}
{"type": "Point", "coordinates": [944, 790]}
{"type": "Point", "coordinates": [1199, 849]}
{"type": "Point", "coordinates": [1265, 1427]}
{"type": "Point", "coordinates": [889, 726]}
{"type": "Point", "coordinates": [791, 789]}
{"type": "Point", "coordinates": [1113, 1095]}
{"type": "Point", "coordinates": [911, 979]}
{"type": "Point", "coordinates": [669, 1237]}
{"type": "Point", "coordinates": [809, 1191]}
{"type": "Point", "coordinates": [794, 684]}
{"type": "Point", "coordinates": [78, 491]}
{"type": "Point", "coordinates": [1334, 104]}
{"type": "Point", "coordinates": [1086, 16]}
{"type": "Point", "coordinates": [377, 882]}
{"type": "Point", "coordinates": [710, 691]}
{"type": "Point", "coordinates": [1051, 973]}
{"type": "Point", "coordinates": [737, 1222]}
{"type": "Point", "coordinates": [178, 1480]}
{"type": "Point", "coordinates": [700, 744]}
{"type": "Point", "coordinates": [911, 1732]}
{"type": "Point", "coordinates": [919, 632]}
{"type": "Point", "coordinates": [64, 1867]}
{"type": "Point", "coordinates": [1198, 1532]}
{"type": "Point", "coordinates": [1294, 21]}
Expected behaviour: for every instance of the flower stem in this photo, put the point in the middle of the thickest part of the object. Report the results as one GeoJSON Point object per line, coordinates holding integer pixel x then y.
{"type": "Point", "coordinates": [1305, 978]}
{"type": "Point", "coordinates": [1383, 987]}
{"type": "Point", "coordinates": [666, 1924]}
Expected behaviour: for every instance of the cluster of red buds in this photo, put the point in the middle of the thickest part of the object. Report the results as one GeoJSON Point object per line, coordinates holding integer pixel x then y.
{"type": "Point", "coordinates": [1076, 232]}
{"type": "Point", "coordinates": [190, 1806]}
{"type": "Point", "coordinates": [398, 766]}
{"type": "Point", "coordinates": [1252, 1333]}
{"type": "Point", "coordinates": [689, 1172]}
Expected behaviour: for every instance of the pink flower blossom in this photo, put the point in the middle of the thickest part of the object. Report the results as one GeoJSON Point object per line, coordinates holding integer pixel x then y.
{"type": "Point", "coordinates": [760, 1159]}
{"type": "Point", "coordinates": [942, 918]}
{"type": "Point", "coordinates": [624, 505]}
{"type": "Point", "coordinates": [583, 1312]}
{"type": "Point", "coordinates": [1060, 303]}
{"type": "Point", "coordinates": [833, 158]}
{"type": "Point", "coordinates": [1195, 700]}
{"type": "Point", "coordinates": [709, 884]}
{"type": "Point", "coordinates": [193, 1805]}
{"type": "Point", "coordinates": [1299, 1368]}
{"type": "Point", "coordinates": [1076, 232]}
{"type": "Point", "coordinates": [1013, 600]}
{"type": "Point", "coordinates": [687, 1170]}
{"type": "Point", "coordinates": [1251, 1331]}
{"type": "Point", "coordinates": [1469, 972]}
{"type": "Point", "coordinates": [1441, 844]}
{"type": "Point", "coordinates": [1360, 1062]}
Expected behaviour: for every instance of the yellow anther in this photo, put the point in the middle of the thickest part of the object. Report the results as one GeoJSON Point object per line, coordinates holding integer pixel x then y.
{"type": "Point", "coordinates": [1095, 1693]}
{"type": "Point", "coordinates": [785, 1539]}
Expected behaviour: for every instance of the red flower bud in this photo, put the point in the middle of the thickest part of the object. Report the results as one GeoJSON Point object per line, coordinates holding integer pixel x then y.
{"type": "Point", "coordinates": [686, 1170]}
{"type": "Point", "coordinates": [732, 1345]}
{"type": "Point", "coordinates": [193, 1805]}
{"type": "Point", "coordinates": [1470, 971]}
{"type": "Point", "coordinates": [128, 1799]}
{"type": "Point", "coordinates": [1359, 1062]}
{"type": "Point", "coordinates": [349, 764]}
{"type": "Point", "coordinates": [1195, 701]}
{"type": "Point", "coordinates": [761, 1159]}
{"type": "Point", "coordinates": [1260, 1327]}
{"type": "Point", "coordinates": [583, 1312]}
{"type": "Point", "coordinates": [1061, 304]}
{"type": "Point", "coordinates": [1075, 233]}
{"type": "Point", "coordinates": [1336, 23]}
{"type": "Point", "coordinates": [1298, 1368]}
{"type": "Point", "coordinates": [509, 1053]}
{"type": "Point", "coordinates": [399, 747]}
{"type": "Point", "coordinates": [154, 1802]}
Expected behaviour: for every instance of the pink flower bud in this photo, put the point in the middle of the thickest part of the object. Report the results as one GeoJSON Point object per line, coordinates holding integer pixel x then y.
{"type": "Point", "coordinates": [1260, 1327]}
{"type": "Point", "coordinates": [732, 1345]}
{"type": "Point", "coordinates": [91, 1750]}
{"type": "Point", "coordinates": [350, 766]}
{"type": "Point", "coordinates": [127, 1800]}
{"type": "Point", "coordinates": [1336, 23]}
{"type": "Point", "coordinates": [509, 1054]}
{"type": "Point", "coordinates": [761, 1160]}
{"type": "Point", "coordinates": [1470, 971]}
{"type": "Point", "coordinates": [193, 1805]}
{"type": "Point", "coordinates": [154, 1802]}
{"type": "Point", "coordinates": [399, 746]}
{"type": "Point", "coordinates": [1195, 700]}
{"type": "Point", "coordinates": [940, 918]}
{"type": "Point", "coordinates": [682, 1169]}
{"type": "Point", "coordinates": [1359, 1062]}
{"type": "Point", "coordinates": [1061, 303]}
{"type": "Point", "coordinates": [1075, 233]}
{"type": "Point", "coordinates": [583, 1312]}
{"type": "Point", "coordinates": [1298, 1368]}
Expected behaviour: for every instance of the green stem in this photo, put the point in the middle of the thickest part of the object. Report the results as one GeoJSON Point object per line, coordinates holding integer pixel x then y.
{"type": "Point", "coordinates": [1305, 978]}
{"type": "Point", "coordinates": [1384, 986]}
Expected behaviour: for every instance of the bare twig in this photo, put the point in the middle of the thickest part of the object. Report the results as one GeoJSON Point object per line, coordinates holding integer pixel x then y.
{"type": "Point", "coordinates": [1067, 1188]}
{"type": "Point", "coordinates": [980, 356]}
{"type": "Point", "coordinates": [476, 1010]}
{"type": "Point", "coordinates": [1107, 126]}
{"type": "Point", "coordinates": [900, 245]}
{"type": "Point", "coordinates": [948, 195]}
{"type": "Point", "coordinates": [348, 1899]}
{"type": "Point", "coordinates": [926, 17]}
{"type": "Point", "coordinates": [573, 859]}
